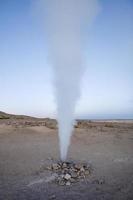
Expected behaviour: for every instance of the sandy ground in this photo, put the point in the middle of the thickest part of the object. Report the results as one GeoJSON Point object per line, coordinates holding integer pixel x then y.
{"type": "Point", "coordinates": [23, 150]}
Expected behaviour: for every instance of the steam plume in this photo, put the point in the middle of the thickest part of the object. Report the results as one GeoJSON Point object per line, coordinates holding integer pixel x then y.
{"type": "Point", "coordinates": [65, 30]}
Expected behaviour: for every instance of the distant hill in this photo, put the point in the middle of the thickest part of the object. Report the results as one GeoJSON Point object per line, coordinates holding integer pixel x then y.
{"type": "Point", "coordinates": [23, 120]}
{"type": "Point", "coordinates": [4, 115]}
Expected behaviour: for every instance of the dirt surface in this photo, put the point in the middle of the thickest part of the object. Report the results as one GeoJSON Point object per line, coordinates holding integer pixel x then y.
{"type": "Point", "coordinates": [26, 149]}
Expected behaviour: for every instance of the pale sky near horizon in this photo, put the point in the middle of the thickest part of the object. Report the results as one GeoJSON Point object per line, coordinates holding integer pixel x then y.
{"type": "Point", "coordinates": [26, 85]}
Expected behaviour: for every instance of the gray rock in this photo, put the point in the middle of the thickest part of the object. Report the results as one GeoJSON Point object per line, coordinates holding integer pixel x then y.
{"type": "Point", "coordinates": [61, 182]}
{"type": "Point", "coordinates": [82, 169]}
{"type": "Point", "coordinates": [52, 197]}
{"type": "Point", "coordinates": [64, 165]}
{"type": "Point", "coordinates": [87, 172]}
{"type": "Point", "coordinates": [68, 183]}
{"type": "Point", "coordinates": [74, 174]}
{"type": "Point", "coordinates": [78, 166]}
{"type": "Point", "coordinates": [72, 180]}
{"type": "Point", "coordinates": [55, 166]}
{"type": "Point", "coordinates": [67, 176]}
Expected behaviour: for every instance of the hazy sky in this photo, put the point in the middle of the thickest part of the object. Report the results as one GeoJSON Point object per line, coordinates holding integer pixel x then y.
{"type": "Point", "coordinates": [26, 76]}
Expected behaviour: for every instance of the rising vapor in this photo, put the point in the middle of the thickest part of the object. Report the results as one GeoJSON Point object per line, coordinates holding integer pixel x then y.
{"type": "Point", "coordinates": [65, 29]}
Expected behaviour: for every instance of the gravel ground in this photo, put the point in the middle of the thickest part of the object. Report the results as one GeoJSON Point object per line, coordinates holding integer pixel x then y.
{"type": "Point", "coordinates": [25, 151]}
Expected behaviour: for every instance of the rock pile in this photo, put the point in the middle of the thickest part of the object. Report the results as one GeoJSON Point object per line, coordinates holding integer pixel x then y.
{"type": "Point", "coordinates": [67, 173]}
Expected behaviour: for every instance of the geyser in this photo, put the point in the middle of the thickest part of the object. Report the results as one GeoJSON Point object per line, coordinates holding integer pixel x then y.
{"type": "Point", "coordinates": [65, 31]}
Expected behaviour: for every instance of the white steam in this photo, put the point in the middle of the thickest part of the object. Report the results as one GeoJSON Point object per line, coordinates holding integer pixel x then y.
{"type": "Point", "coordinates": [66, 20]}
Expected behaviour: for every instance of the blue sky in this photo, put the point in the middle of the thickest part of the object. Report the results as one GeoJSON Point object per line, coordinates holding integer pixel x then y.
{"type": "Point", "coordinates": [26, 85]}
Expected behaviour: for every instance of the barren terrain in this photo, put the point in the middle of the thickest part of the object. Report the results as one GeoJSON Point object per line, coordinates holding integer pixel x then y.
{"type": "Point", "coordinates": [27, 145]}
